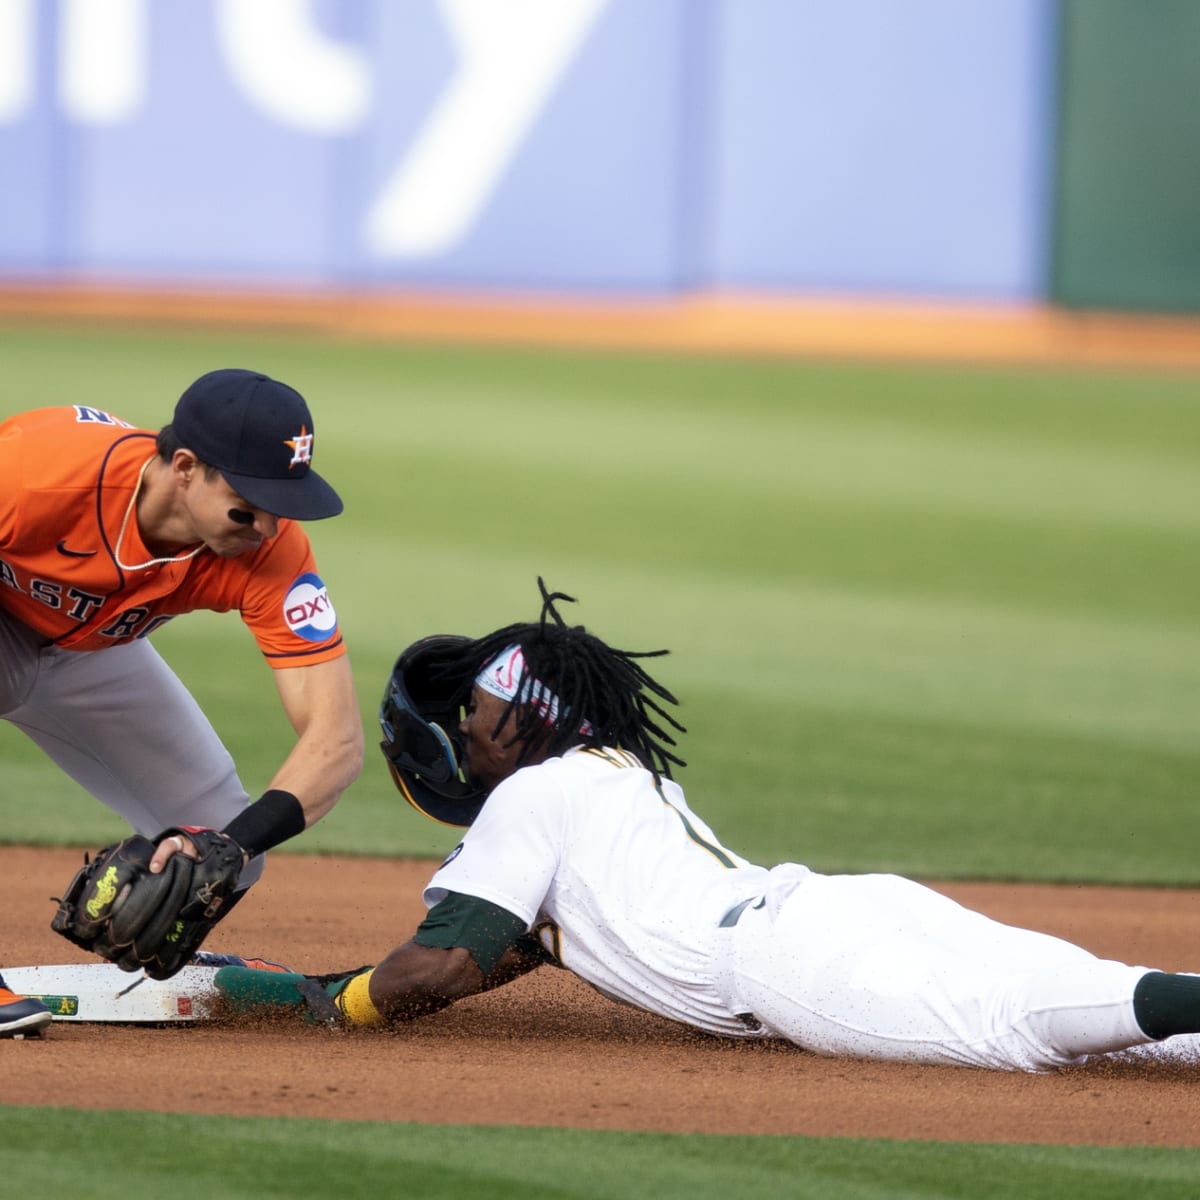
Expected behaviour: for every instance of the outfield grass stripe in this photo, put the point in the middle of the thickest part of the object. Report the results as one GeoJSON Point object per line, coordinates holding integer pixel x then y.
{"type": "Point", "coordinates": [840, 649]}
{"type": "Point", "coordinates": [869, 463]}
{"type": "Point", "coordinates": [135, 1155]}
{"type": "Point", "coordinates": [939, 799]}
{"type": "Point", "coordinates": [938, 618]}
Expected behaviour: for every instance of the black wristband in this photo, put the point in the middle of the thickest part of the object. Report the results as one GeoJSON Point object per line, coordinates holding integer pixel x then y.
{"type": "Point", "coordinates": [274, 818]}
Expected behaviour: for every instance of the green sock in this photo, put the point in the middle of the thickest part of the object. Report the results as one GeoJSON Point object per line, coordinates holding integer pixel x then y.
{"type": "Point", "coordinates": [1164, 1005]}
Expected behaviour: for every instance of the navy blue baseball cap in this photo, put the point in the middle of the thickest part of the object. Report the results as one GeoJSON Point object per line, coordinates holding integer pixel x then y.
{"type": "Point", "coordinates": [258, 433]}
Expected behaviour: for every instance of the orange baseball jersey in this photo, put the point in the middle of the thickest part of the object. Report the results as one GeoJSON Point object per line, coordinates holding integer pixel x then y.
{"type": "Point", "coordinates": [67, 481]}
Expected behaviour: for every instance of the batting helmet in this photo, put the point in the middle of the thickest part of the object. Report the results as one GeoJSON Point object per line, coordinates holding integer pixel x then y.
{"type": "Point", "coordinates": [419, 717]}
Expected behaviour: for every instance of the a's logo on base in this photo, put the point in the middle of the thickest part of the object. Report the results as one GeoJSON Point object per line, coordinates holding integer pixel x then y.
{"type": "Point", "coordinates": [60, 1006]}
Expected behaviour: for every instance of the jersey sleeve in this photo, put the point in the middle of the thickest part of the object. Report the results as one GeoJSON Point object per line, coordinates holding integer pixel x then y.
{"type": "Point", "coordinates": [286, 605]}
{"type": "Point", "coordinates": [510, 855]}
{"type": "Point", "coordinates": [484, 929]}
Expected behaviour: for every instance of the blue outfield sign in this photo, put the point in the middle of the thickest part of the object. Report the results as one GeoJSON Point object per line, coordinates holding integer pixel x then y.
{"type": "Point", "coordinates": [600, 145]}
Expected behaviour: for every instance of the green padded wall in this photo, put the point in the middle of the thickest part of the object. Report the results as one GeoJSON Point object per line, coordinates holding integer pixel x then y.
{"type": "Point", "coordinates": [1127, 220]}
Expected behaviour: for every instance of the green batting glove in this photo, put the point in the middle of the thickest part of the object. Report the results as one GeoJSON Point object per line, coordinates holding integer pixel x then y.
{"type": "Point", "coordinates": [246, 990]}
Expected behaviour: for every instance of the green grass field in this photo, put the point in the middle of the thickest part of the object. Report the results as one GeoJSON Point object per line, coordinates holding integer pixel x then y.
{"type": "Point", "coordinates": [929, 619]}
{"type": "Point", "coordinates": [936, 620]}
{"type": "Point", "coordinates": [145, 1156]}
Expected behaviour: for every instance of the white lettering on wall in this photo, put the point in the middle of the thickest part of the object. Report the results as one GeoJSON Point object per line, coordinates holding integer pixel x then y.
{"type": "Point", "coordinates": [102, 60]}
{"type": "Point", "coordinates": [17, 58]}
{"type": "Point", "coordinates": [289, 69]}
{"type": "Point", "coordinates": [511, 56]}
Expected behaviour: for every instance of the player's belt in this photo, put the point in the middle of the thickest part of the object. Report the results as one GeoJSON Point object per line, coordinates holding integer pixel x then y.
{"type": "Point", "coordinates": [734, 914]}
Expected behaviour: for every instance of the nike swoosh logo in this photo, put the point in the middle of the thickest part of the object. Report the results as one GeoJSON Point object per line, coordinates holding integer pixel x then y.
{"type": "Point", "coordinates": [62, 549]}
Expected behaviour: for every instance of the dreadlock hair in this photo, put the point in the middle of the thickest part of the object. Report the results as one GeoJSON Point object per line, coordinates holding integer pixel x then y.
{"type": "Point", "coordinates": [604, 697]}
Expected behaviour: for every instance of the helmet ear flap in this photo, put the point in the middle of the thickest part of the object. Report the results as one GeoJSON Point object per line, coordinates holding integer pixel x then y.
{"type": "Point", "coordinates": [422, 746]}
{"type": "Point", "coordinates": [419, 718]}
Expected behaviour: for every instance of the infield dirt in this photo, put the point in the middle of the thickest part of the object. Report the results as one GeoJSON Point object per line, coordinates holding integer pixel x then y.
{"type": "Point", "coordinates": [548, 1050]}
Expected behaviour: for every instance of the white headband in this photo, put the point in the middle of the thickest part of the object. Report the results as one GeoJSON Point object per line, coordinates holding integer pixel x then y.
{"type": "Point", "coordinates": [503, 677]}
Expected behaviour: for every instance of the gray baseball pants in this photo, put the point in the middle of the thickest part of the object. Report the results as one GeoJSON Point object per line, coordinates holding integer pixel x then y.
{"type": "Point", "coordinates": [122, 725]}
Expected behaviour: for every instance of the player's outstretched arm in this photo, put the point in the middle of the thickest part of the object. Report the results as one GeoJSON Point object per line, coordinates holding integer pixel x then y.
{"type": "Point", "coordinates": [415, 980]}
{"type": "Point", "coordinates": [322, 706]}
{"type": "Point", "coordinates": [464, 946]}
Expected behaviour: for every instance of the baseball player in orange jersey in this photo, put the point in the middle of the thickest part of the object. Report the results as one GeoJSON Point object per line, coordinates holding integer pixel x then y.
{"type": "Point", "coordinates": [108, 531]}
{"type": "Point", "coordinates": [581, 850]}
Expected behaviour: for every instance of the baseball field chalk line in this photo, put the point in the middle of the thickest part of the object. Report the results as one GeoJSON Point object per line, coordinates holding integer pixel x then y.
{"type": "Point", "coordinates": [103, 993]}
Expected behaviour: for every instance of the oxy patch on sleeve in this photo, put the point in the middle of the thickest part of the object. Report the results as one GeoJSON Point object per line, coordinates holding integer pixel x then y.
{"type": "Point", "coordinates": [308, 611]}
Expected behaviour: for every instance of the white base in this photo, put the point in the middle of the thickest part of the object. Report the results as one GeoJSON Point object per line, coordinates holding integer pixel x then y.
{"type": "Point", "coordinates": [102, 992]}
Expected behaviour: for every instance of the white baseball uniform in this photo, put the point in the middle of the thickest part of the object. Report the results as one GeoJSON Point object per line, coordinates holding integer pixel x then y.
{"type": "Point", "coordinates": [631, 891]}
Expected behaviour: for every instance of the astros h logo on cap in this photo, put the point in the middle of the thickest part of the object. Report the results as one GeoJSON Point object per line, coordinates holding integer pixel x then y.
{"type": "Point", "coordinates": [301, 446]}
{"type": "Point", "coordinates": [259, 434]}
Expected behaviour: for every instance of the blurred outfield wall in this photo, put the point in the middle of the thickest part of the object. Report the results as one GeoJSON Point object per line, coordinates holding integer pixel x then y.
{"type": "Point", "coordinates": [945, 150]}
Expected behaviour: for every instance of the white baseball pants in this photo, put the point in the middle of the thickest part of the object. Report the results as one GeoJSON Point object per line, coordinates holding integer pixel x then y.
{"type": "Point", "coordinates": [877, 966]}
